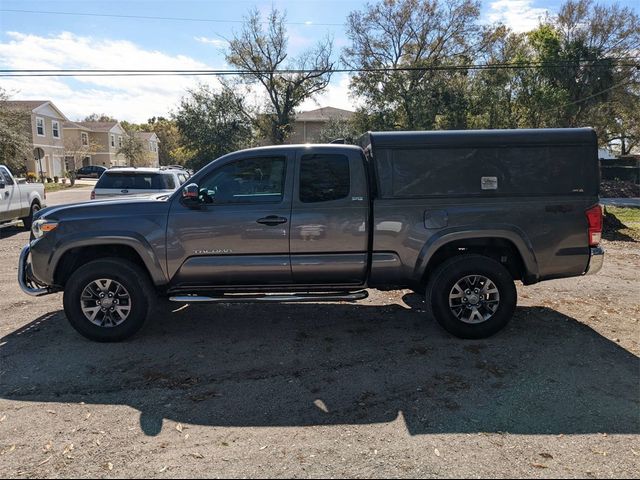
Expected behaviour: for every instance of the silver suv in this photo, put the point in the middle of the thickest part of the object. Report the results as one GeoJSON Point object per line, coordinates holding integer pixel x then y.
{"type": "Point", "coordinates": [138, 182]}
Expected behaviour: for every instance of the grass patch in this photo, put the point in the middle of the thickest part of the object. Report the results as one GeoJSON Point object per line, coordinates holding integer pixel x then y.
{"type": "Point", "coordinates": [622, 223]}
{"type": "Point", "coordinates": [56, 187]}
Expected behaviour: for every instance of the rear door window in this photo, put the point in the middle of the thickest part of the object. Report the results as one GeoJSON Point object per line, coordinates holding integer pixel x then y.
{"type": "Point", "coordinates": [324, 178]}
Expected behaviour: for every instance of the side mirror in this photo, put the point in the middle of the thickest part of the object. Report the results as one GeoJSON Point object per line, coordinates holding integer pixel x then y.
{"type": "Point", "coordinates": [191, 195]}
{"type": "Point", "coordinates": [2, 185]}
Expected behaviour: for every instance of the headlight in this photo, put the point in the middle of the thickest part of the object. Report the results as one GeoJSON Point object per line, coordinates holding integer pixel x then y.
{"type": "Point", "coordinates": [42, 226]}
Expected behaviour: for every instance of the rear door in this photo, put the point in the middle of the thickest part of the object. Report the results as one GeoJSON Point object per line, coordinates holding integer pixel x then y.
{"type": "Point", "coordinates": [329, 218]}
{"type": "Point", "coordinates": [240, 233]}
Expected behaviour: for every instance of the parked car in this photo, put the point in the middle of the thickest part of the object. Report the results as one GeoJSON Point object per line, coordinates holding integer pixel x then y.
{"type": "Point", "coordinates": [90, 171]}
{"type": "Point", "coordinates": [456, 216]}
{"type": "Point", "coordinates": [139, 182]}
{"type": "Point", "coordinates": [19, 200]}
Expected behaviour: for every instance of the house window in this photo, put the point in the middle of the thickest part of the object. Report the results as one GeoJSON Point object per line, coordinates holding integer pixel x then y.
{"type": "Point", "coordinates": [113, 140]}
{"type": "Point", "coordinates": [120, 141]}
{"type": "Point", "coordinates": [55, 129]}
{"type": "Point", "coordinates": [84, 138]}
{"type": "Point", "coordinates": [40, 126]}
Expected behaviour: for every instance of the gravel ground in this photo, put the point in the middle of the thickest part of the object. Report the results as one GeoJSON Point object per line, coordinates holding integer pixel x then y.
{"type": "Point", "coordinates": [371, 389]}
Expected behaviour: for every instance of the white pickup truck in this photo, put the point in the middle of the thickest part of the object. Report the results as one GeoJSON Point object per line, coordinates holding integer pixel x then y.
{"type": "Point", "coordinates": [19, 200]}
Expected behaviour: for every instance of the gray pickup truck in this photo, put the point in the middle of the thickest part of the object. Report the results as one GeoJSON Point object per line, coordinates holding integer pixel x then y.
{"type": "Point", "coordinates": [455, 215]}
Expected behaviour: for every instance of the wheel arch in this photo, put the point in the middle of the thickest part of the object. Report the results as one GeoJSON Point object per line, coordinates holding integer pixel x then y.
{"type": "Point", "coordinates": [66, 260]}
{"type": "Point", "coordinates": [493, 242]}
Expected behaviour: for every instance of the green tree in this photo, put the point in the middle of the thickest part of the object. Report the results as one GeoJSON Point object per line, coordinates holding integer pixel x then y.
{"type": "Point", "coordinates": [131, 127]}
{"type": "Point", "coordinates": [212, 124]}
{"type": "Point", "coordinates": [170, 140]}
{"type": "Point", "coordinates": [133, 150]}
{"type": "Point", "coordinates": [618, 120]}
{"type": "Point", "coordinates": [15, 144]}
{"type": "Point", "coordinates": [339, 128]}
{"type": "Point", "coordinates": [99, 117]}
{"type": "Point", "coordinates": [415, 38]}
{"type": "Point", "coordinates": [260, 52]}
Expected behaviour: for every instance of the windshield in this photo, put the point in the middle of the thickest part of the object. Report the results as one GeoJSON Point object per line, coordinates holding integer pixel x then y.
{"type": "Point", "coordinates": [136, 181]}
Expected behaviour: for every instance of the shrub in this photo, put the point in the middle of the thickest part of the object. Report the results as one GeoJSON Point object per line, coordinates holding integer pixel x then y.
{"type": "Point", "coordinates": [31, 177]}
{"type": "Point", "coordinates": [56, 179]}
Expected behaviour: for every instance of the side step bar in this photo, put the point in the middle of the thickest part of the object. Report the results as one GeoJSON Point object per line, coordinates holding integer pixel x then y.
{"type": "Point", "coordinates": [275, 297]}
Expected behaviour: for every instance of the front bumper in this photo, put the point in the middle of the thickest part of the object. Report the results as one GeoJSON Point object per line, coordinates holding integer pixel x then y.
{"type": "Point", "coordinates": [596, 259]}
{"type": "Point", "coordinates": [25, 279]}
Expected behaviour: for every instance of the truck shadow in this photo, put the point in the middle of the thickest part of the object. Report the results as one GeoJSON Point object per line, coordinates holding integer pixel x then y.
{"type": "Point", "coordinates": [300, 365]}
{"type": "Point", "coordinates": [7, 232]}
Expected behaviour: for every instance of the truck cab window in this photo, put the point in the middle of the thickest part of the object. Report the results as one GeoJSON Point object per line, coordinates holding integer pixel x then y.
{"type": "Point", "coordinates": [251, 180]}
{"type": "Point", "coordinates": [324, 178]}
{"type": "Point", "coordinates": [4, 175]}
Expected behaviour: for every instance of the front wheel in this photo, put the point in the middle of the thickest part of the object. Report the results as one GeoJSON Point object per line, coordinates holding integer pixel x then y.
{"type": "Point", "coordinates": [472, 296]}
{"type": "Point", "coordinates": [28, 221]}
{"type": "Point", "coordinates": [108, 300]}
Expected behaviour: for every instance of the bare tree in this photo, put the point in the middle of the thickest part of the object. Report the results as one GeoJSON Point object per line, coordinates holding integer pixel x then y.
{"type": "Point", "coordinates": [75, 151]}
{"type": "Point", "coordinates": [260, 51]}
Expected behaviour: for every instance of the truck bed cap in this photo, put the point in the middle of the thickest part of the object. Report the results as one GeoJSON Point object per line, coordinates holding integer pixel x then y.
{"type": "Point", "coordinates": [539, 136]}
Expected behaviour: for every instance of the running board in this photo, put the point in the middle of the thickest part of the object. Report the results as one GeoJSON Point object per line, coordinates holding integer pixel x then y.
{"type": "Point", "coordinates": [275, 297]}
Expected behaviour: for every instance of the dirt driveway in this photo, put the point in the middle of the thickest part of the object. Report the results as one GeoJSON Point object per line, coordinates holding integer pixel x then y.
{"type": "Point", "coordinates": [348, 390]}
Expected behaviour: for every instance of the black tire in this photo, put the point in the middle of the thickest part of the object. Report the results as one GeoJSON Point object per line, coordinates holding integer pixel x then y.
{"type": "Point", "coordinates": [454, 270]}
{"type": "Point", "coordinates": [133, 278]}
{"type": "Point", "coordinates": [28, 221]}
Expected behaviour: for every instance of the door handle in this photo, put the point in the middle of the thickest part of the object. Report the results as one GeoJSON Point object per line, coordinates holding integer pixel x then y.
{"type": "Point", "coordinates": [272, 220]}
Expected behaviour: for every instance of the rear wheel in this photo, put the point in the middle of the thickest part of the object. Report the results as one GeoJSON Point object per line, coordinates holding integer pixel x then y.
{"type": "Point", "coordinates": [108, 300]}
{"type": "Point", "coordinates": [28, 221]}
{"type": "Point", "coordinates": [472, 296]}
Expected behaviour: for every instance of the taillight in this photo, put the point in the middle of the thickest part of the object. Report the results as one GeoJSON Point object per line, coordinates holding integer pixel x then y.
{"type": "Point", "coordinates": [93, 194]}
{"type": "Point", "coordinates": [594, 218]}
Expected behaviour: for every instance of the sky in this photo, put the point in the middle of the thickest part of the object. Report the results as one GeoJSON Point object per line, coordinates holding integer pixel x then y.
{"type": "Point", "coordinates": [85, 40]}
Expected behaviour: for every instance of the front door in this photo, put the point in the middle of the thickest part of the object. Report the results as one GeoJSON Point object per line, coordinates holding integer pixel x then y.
{"type": "Point", "coordinates": [240, 233]}
{"type": "Point", "coordinates": [9, 206]}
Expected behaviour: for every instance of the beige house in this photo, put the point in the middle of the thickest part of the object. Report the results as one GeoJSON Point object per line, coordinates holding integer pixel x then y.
{"type": "Point", "coordinates": [308, 125]}
{"type": "Point", "coordinates": [104, 138]}
{"type": "Point", "coordinates": [151, 145]}
{"type": "Point", "coordinates": [43, 122]}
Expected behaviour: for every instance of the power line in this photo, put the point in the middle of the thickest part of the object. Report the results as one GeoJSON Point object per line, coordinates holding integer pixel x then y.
{"type": "Point", "coordinates": [622, 62]}
{"type": "Point", "coordinates": [147, 17]}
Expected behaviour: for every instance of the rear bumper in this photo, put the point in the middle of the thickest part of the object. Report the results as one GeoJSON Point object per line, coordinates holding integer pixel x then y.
{"type": "Point", "coordinates": [596, 259]}
{"type": "Point", "coordinates": [25, 279]}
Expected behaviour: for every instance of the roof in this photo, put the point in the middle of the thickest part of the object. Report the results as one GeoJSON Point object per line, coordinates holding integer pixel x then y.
{"type": "Point", "coordinates": [98, 126]}
{"type": "Point", "coordinates": [478, 138]}
{"type": "Point", "coordinates": [74, 125]}
{"type": "Point", "coordinates": [324, 114]}
{"type": "Point", "coordinates": [31, 105]}
{"type": "Point", "coordinates": [26, 104]}
{"type": "Point", "coordinates": [146, 135]}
